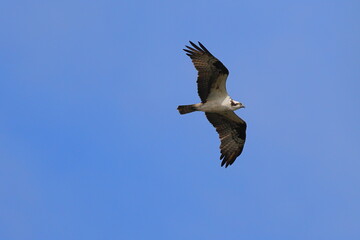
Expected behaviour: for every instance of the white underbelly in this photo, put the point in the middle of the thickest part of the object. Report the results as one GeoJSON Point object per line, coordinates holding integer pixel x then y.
{"type": "Point", "coordinates": [214, 107]}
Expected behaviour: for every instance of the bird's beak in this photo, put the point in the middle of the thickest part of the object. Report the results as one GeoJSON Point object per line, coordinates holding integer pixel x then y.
{"type": "Point", "coordinates": [242, 106]}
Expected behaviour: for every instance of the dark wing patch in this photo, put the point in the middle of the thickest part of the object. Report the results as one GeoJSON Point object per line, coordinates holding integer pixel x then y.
{"type": "Point", "coordinates": [232, 134]}
{"type": "Point", "coordinates": [221, 66]}
{"type": "Point", "coordinates": [210, 69]}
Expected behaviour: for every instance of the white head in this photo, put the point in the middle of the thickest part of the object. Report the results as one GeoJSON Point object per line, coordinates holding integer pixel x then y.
{"type": "Point", "coordinates": [235, 105]}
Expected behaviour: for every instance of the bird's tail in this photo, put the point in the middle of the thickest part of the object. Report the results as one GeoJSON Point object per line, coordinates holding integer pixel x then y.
{"type": "Point", "coordinates": [184, 109]}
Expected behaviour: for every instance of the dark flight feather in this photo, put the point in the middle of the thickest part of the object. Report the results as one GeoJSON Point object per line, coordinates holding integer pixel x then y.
{"type": "Point", "coordinates": [210, 70]}
{"type": "Point", "coordinates": [232, 134]}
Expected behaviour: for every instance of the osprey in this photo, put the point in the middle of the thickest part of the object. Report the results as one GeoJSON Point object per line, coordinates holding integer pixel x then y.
{"type": "Point", "coordinates": [216, 103]}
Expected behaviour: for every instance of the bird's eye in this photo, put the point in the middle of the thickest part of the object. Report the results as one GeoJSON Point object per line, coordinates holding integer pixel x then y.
{"type": "Point", "coordinates": [233, 104]}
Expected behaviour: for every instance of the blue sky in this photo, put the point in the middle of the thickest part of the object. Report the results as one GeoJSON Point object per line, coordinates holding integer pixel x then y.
{"type": "Point", "coordinates": [92, 147]}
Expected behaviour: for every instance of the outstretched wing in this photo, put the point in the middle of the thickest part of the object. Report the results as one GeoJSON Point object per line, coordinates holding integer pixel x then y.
{"type": "Point", "coordinates": [212, 74]}
{"type": "Point", "coordinates": [232, 133]}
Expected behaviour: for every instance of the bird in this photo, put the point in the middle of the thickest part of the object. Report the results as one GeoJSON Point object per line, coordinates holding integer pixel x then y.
{"type": "Point", "coordinates": [218, 106]}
